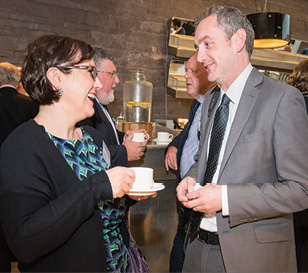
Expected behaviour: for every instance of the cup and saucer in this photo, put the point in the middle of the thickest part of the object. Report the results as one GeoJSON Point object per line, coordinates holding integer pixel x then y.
{"type": "Point", "coordinates": [144, 184]}
{"type": "Point", "coordinates": [163, 138]}
{"type": "Point", "coordinates": [161, 142]}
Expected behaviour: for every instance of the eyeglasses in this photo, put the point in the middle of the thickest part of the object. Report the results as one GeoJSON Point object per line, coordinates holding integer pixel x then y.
{"type": "Point", "coordinates": [111, 74]}
{"type": "Point", "coordinates": [91, 69]}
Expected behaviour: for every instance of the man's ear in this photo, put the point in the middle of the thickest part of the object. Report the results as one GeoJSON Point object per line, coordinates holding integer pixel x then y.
{"type": "Point", "coordinates": [239, 39]}
{"type": "Point", "coordinates": [54, 76]}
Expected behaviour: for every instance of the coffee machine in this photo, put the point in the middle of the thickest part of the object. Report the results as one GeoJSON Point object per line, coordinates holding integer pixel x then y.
{"type": "Point", "coordinates": [137, 103]}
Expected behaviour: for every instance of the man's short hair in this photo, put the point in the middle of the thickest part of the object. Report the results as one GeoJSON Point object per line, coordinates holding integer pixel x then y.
{"type": "Point", "coordinates": [101, 55]}
{"type": "Point", "coordinates": [230, 20]}
{"type": "Point", "coordinates": [176, 22]}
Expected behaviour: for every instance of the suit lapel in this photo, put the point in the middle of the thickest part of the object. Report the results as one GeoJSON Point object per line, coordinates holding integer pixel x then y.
{"type": "Point", "coordinates": [102, 118]}
{"type": "Point", "coordinates": [246, 104]}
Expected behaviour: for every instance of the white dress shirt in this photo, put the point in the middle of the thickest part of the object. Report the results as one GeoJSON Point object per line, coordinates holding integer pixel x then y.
{"type": "Point", "coordinates": [110, 120]}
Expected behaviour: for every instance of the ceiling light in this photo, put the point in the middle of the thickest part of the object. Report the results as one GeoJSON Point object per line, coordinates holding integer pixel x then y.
{"type": "Point", "coordinates": [272, 30]}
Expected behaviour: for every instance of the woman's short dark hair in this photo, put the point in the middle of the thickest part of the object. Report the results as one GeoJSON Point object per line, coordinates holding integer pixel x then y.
{"type": "Point", "coordinates": [50, 51]}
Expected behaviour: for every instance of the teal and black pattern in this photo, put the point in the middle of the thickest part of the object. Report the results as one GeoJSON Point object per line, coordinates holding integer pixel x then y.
{"type": "Point", "coordinates": [85, 158]}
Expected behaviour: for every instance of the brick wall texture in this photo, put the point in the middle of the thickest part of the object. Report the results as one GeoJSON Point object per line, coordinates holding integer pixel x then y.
{"type": "Point", "coordinates": [135, 32]}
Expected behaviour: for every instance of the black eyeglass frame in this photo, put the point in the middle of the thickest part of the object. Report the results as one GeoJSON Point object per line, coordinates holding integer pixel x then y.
{"type": "Point", "coordinates": [91, 69]}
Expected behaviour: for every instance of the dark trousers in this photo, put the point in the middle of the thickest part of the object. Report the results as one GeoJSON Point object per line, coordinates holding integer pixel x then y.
{"type": "Point", "coordinates": [301, 239]}
{"type": "Point", "coordinates": [6, 256]}
{"type": "Point", "coordinates": [177, 255]}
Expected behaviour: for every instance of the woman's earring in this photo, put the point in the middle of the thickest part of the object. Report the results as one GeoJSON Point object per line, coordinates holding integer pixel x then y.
{"type": "Point", "coordinates": [60, 92]}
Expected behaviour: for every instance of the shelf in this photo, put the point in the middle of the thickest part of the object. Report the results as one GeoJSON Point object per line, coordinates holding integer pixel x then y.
{"type": "Point", "coordinates": [269, 59]}
{"type": "Point", "coordinates": [176, 80]}
{"type": "Point", "coordinates": [181, 46]}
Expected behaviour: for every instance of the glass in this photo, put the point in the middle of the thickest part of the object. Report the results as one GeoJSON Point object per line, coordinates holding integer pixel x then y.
{"type": "Point", "coordinates": [137, 98]}
{"type": "Point", "coordinates": [111, 74]}
{"type": "Point", "coordinates": [91, 69]}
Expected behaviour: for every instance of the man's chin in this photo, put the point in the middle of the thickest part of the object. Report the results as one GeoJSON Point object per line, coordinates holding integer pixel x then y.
{"type": "Point", "coordinates": [190, 91]}
{"type": "Point", "coordinates": [111, 97]}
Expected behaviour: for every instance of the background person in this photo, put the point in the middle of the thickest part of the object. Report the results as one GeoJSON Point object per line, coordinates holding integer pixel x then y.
{"type": "Point", "coordinates": [252, 160]}
{"type": "Point", "coordinates": [299, 79]}
{"type": "Point", "coordinates": [58, 207]}
{"type": "Point", "coordinates": [14, 110]}
{"type": "Point", "coordinates": [180, 152]}
{"type": "Point", "coordinates": [20, 88]}
{"type": "Point", "coordinates": [120, 144]}
{"type": "Point", "coordinates": [177, 26]}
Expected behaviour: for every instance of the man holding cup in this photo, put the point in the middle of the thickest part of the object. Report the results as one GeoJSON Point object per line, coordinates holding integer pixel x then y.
{"type": "Point", "coordinates": [252, 159]}
{"type": "Point", "coordinates": [180, 152]}
{"type": "Point", "coordinates": [122, 147]}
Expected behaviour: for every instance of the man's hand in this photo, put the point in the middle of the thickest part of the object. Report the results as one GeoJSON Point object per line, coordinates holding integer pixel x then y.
{"type": "Point", "coordinates": [206, 199]}
{"type": "Point", "coordinates": [186, 186]}
{"type": "Point", "coordinates": [170, 159]}
{"type": "Point", "coordinates": [135, 150]}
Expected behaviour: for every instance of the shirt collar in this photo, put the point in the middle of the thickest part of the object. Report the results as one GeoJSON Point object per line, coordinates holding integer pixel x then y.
{"type": "Point", "coordinates": [235, 90]}
{"type": "Point", "coordinates": [7, 85]}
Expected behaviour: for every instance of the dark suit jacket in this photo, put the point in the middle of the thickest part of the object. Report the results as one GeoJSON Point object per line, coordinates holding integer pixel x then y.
{"type": "Point", "coordinates": [100, 122]}
{"type": "Point", "coordinates": [15, 109]}
{"type": "Point", "coordinates": [179, 142]}
{"type": "Point", "coordinates": [180, 139]}
{"type": "Point", "coordinates": [182, 31]}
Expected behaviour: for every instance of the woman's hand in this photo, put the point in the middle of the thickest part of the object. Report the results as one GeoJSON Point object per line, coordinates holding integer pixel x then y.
{"type": "Point", "coordinates": [121, 179]}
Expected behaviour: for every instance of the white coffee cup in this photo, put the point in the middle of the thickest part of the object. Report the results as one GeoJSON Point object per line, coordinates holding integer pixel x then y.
{"type": "Point", "coordinates": [143, 178]}
{"type": "Point", "coordinates": [164, 137]}
{"type": "Point", "coordinates": [140, 137]}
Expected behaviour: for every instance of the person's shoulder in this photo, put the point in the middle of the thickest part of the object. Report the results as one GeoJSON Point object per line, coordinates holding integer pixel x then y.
{"type": "Point", "coordinates": [23, 133]}
{"type": "Point", "coordinates": [275, 85]}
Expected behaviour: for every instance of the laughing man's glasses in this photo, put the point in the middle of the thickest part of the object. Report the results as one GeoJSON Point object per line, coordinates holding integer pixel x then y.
{"type": "Point", "coordinates": [91, 69]}
{"type": "Point", "coordinates": [111, 74]}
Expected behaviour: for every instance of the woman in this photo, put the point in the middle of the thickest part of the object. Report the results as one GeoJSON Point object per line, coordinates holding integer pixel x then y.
{"type": "Point", "coordinates": [299, 79]}
{"type": "Point", "coordinates": [62, 208]}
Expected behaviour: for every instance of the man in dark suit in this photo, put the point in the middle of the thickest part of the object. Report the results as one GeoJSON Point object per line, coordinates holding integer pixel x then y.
{"type": "Point", "coordinates": [121, 146]}
{"type": "Point", "coordinates": [180, 152]}
{"type": "Point", "coordinates": [251, 165]}
{"type": "Point", "coordinates": [14, 110]}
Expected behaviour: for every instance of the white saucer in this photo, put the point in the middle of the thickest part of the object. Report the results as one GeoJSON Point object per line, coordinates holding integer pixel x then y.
{"type": "Point", "coordinates": [161, 142]}
{"type": "Point", "coordinates": [143, 192]}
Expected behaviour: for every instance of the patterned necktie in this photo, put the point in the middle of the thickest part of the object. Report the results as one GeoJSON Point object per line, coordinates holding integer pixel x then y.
{"type": "Point", "coordinates": [217, 135]}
